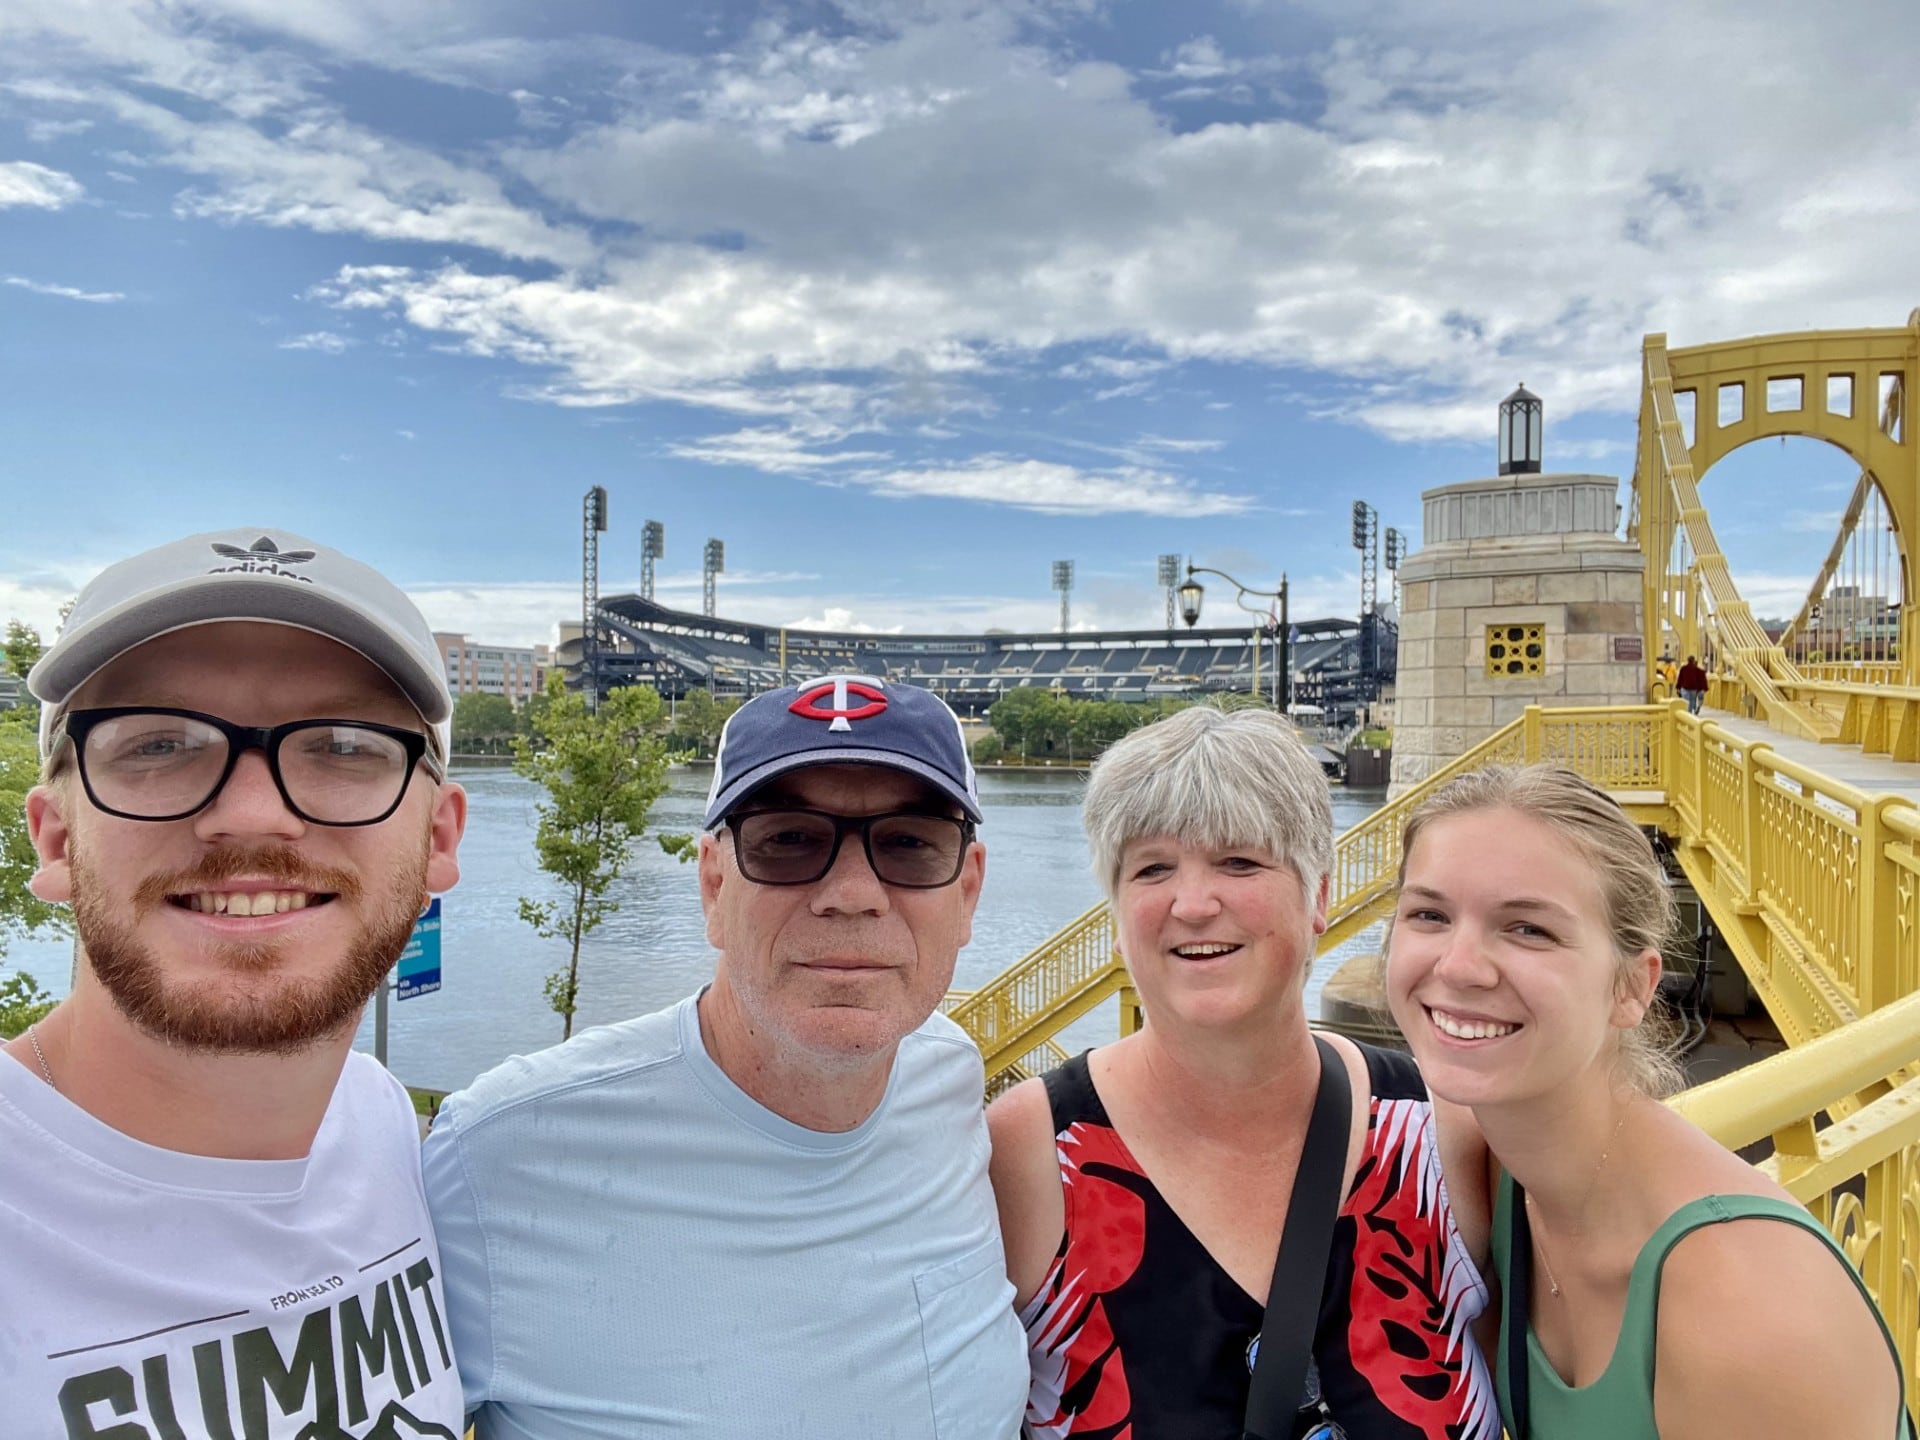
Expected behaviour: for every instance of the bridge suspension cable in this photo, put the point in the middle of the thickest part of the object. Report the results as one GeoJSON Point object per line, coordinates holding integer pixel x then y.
{"type": "Point", "coordinates": [1851, 614]}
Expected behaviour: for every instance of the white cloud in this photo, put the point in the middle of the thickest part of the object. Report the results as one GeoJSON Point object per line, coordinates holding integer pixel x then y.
{"type": "Point", "coordinates": [1055, 489]}
{"type": "Point", "coordinates": [1815, 522]}
{"type": "Point", "coordinates": [954, 190]}
{"type": "Point", "coordinates": [523, 613]}
{"type": "Point", "coordinates": [1177, 445]}
{"type": "Point", "coordinates": [529, 613]}
{"type": "Point", "coordinates": [45, 132]}
{"type": "Point", "coordinates": [838, 617]}
{"type": "Point", "coordinates": [1772, 595]}
{"type": "Point", "coordinates": [328, 175]}
{"type": "Point", "coordinates": [1112, 367]}
{"type": "Point", "coordinates": [24, 183]}
{"type": "Point", "coordinates": [325, 341]}
{"type": "Point", "coordinates": [32, 591]}
{"type": "Point", "coordinates": [65, 292]}
{"type": "Point", "coordinates": [1200, 59]}
{"type": "Point", "coordinates": [776, 452]}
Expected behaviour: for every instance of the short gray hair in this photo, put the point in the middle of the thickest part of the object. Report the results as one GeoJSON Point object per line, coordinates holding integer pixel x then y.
{"type": "Point", "coordinates": [1215, 778]}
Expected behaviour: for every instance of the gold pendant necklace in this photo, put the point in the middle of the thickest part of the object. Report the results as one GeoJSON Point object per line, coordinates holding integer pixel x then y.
{"type": "Point", "coordinates": [1540, 1245]}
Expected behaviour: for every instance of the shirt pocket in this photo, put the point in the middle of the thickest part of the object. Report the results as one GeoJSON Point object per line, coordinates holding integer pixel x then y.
{"type": "Point", "coordinates": [976, 1353]}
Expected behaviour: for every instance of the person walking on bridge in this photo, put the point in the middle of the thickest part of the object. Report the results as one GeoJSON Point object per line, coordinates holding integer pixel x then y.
{"type": "Point", "coordinates": [1654, 1285]}
{"type": "Point", "coordinates": [1692, 685]}
{"type": "Point", "coordinates": [763, 1212]}
{"type": "Point", "coordinates": [211, 1214]}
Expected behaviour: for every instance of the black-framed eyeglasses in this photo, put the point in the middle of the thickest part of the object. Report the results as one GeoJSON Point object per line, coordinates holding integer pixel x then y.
{"type": "Point", "coordinates": [798, 847]}
{"type": "Point", "coordinates": [148, 763]}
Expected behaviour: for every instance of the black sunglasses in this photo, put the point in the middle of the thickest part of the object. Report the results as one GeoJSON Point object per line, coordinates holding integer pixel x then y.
{"type": "Point", "coordinates": [152, 763]}
{"type": "Point", "coordinates": [798, 846]}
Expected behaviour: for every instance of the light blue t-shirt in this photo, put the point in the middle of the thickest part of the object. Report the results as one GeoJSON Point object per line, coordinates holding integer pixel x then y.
{"type": "Point", "coordinates": [633, 1248]}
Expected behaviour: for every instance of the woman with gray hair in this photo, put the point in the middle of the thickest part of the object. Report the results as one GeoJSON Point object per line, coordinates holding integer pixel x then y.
{"type": "Point", "coordinates": [1144, 1186]}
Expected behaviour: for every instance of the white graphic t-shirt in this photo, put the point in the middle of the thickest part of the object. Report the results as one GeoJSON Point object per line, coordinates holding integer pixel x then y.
{"type": "Point", "coordinates": [150, 1295]}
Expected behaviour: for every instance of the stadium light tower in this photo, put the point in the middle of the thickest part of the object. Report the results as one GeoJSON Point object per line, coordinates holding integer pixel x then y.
{"type": "Point", "coordinates": [653, 545]}
{"type": "Point", "coordinates": [1063, 582]}
{"type": "Point", "coordinates": [1366, 539]}
{"type": "Point", "coordinates": [1170, 582]}
{"type": "Point", "coordinates": [1395, 550]}
{"type": "Point", "coordinates": [712, 564]}
{"type": "Point", "coordinates": [593, 522]}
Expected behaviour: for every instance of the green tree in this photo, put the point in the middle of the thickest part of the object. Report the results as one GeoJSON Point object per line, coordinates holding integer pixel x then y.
{"type": "Point", "coordinates": [20, 913]}
{"type": "Point", "coordinates": [1015, 718]}
{"type": "Point", "coordinates": [698, 719]}
{"type": "Point", "coordinates": [483, 722]}
{"type": "Point", "coordinates": [18, 652]}
{"type": "Point", "coordinates": [21, 648]}
{"type": "Point", "coordinates": [22, 1003]}
{"type": "Point", "coordinates": [602, 770]}
{"type": "Point", "coordinates": [988, 749]}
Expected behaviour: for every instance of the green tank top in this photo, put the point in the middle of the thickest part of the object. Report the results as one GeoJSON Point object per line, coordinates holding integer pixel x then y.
{"type": "Point", "coordinates": [1619, 1404]}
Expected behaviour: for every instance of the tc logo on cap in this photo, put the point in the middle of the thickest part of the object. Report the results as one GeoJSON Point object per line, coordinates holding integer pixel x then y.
{"type": "Point", "coordinates": [840, 712]}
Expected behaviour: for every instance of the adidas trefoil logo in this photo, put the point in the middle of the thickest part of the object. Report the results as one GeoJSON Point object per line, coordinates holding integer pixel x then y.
{"type": "Point", "coordinates": [263, 557]}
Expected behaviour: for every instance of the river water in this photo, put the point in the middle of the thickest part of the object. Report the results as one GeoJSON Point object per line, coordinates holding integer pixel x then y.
{"type": "Point", "coordinates": [653, 950]}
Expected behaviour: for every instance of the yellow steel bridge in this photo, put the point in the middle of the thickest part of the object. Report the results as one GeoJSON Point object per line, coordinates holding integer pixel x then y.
{"type": "Point", "coordinates": [1792, 804]}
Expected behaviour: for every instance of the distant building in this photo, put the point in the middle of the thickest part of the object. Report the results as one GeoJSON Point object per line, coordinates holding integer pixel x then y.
{"type": "Point", "coordinates": [1860, 618]}
{"type": "Point", "coordinates": [1848, 624]}
{"type": "Point", "coordinates": [12, 691]}
{"type": "Point", "coordinates": [515, 671]}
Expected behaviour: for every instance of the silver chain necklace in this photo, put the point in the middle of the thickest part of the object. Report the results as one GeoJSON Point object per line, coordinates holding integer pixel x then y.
{"type": "Point", "coordinates": [33, 1039]}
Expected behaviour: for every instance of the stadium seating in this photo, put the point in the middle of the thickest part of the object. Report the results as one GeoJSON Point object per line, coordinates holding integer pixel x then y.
{"type": "Point", "coordinates": [678, 651]}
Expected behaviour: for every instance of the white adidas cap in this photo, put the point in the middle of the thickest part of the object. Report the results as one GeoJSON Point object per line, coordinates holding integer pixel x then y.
{"type": "Point", "coordinates": [266, 575]}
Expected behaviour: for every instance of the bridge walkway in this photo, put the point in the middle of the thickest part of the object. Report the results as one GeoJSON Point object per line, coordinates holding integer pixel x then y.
{"type": "Point", "coordinates": [1847, 764]}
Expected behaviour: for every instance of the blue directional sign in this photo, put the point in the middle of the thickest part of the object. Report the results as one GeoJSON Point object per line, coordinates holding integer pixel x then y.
{"type": "Point", "coordinates": [420, 961]}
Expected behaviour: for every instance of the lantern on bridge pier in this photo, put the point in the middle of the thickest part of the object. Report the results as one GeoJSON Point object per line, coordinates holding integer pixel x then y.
{"type": "Point", "coordinates": [1520, 425]}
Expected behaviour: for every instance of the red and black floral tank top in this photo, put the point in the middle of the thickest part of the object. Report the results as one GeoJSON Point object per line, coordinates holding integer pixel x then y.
{"type": "Point", "coordinates": [1138, 1334]}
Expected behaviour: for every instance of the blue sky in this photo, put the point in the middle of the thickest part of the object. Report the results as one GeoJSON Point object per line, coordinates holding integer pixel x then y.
{"type": "Point", "coordinates": [902, 299]}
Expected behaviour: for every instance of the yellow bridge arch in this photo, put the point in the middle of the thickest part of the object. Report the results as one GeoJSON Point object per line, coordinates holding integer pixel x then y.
{"type": "Point", "coordinates": [1854, 389]}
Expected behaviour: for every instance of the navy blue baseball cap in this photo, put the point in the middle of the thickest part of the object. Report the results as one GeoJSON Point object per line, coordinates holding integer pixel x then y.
{"type": "Point", "coordinates": [842, 720]}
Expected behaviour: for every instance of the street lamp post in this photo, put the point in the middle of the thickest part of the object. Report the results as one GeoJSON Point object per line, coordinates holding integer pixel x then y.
{"type": "Point", "coordinates": [1192, 592]}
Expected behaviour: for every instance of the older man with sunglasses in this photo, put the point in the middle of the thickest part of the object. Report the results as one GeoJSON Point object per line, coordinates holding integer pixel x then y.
{"type": "Point", "coordinates": [212, 1221]}
{"type": "Point", "coordinates": [763, 1212]}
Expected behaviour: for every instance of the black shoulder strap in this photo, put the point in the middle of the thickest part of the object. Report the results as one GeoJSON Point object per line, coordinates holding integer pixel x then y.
{"type": "Point", "coordinates": [1070, 1093]}
{"type": "Point", "coordinates": [1518, 1296]}
{"type": "Point", "coordinates": [1300, 1270]}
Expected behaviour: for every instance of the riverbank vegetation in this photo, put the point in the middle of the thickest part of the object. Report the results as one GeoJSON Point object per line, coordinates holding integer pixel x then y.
{"type": "Point", "coordinates": [1034, 726]}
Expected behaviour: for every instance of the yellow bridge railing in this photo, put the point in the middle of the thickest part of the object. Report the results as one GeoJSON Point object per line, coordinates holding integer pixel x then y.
{"type": "Point", "coordinates": [1813, 885]}
{"type": "Point", "coordinates": [1044, 992]}
{"type": "Point", "coordinates": [1859, 1175]}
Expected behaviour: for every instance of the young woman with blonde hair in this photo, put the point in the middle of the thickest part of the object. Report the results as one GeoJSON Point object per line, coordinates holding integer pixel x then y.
{"type": "Point", "coordinates": [1654, 1285]}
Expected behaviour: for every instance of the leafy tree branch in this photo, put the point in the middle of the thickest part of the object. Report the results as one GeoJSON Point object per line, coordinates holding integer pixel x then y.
{"type": "Point", "coordinates": [602, 771]}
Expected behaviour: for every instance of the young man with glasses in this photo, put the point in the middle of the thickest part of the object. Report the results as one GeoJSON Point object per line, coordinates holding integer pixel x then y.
{"type": "Point", "coordinates": [763, 1212]}
{"type": "Point", "coordinates": [212, 1221]}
